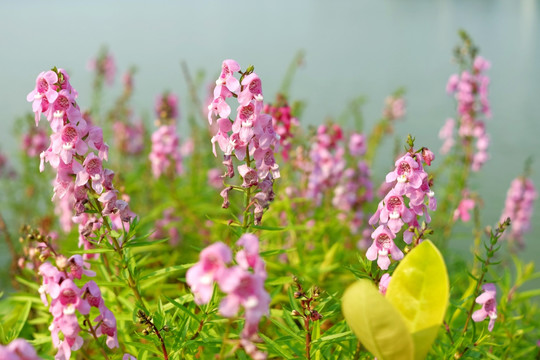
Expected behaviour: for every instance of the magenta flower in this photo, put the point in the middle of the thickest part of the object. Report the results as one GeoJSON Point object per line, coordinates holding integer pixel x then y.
{"type": "Point", "coordinates": [211, 267]}
{"type": "Point", "coordinates": [488, 301]}
{"type": "Point", "coordinates": [383, 245]}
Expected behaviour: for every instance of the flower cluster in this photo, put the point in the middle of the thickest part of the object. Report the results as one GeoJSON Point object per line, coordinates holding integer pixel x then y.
{"type": "Point", "coordinates": [488, 300]}
{"type": "Point", "coordinates": [18, 349]}
{"type": "Point", "coordinates": [243, 283]}
{"type": "Point", "coordinates": [283, 122]}
{"type": "Point", "coordinates": [355, 187]}
{"type": "Point", "coordinates": [165, 155]}
{"type": "Point", "coordinates": [79, 171]}
{"type": "Point", "coordinates": [251, 136]}
{"type": "Point", "coordinates": [470, 89]}
{"type": "Point", "coordinates": [519, 207]}
{"type": "Point", "coordinates": [66, 297]}
{"type": "Point", "coordinates": [410, 182]}
{"type": "Point", "coordinates": [327, 164]}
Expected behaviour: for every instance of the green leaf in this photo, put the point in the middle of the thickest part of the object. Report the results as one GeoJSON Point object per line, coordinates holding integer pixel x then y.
{"type": "Point", "coordinates": [376, 323]}
{"type": "Point", "coordinates": [19, 324]}
{"type": "Point", "coordinates": [419, 290]}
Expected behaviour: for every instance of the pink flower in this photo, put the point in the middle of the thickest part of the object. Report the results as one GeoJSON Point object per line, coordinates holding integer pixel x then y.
{"type": "Point", "coordinates": [249, 175]}
{"type": "Point", "coordinates": [92, 169]}
{"type": "Point", "coordinates": [489, 305]}
{"type": "Point", "coordinates": [92, 293]}
{"type": "Point", "coordinates": [107, 327]}
{"type": "Point", "coordinates": [463, 209]}
{"type": "Point", "coordinates": [252, 89]}
{"type": "Point", "coordinates": [18, 349]}
{"type": "Point", "coordinates": [44, 93]}
{"type": "Point", "coordinates": [407, 173]}
{"type": "Point", "coordinates": [246, 289]}
{"type": "Point", "coordinates": [211, 267]}
{"type": "Point", "coordinates": [228, 68]}
{"type": "Point", "coordinates": [249, 256]}
{"type": "Point", "coordinates": [68, 299]}
{"type": "Point", "coordinates": [78, 267]}
{"type": "Point", "coordinates": [383, 284]}
{"type": "Point", "coordinates": [383, 244]}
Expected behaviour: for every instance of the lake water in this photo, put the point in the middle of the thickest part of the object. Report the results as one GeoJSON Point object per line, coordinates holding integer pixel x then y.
{"type": "Point", "coordinates": [352, 48]}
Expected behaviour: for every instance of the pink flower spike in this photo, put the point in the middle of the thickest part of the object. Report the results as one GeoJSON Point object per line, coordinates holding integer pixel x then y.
{"type": "Point", "coordinates": [489, 305]}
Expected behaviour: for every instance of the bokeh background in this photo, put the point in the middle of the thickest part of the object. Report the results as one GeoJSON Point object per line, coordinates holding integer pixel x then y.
{"type": "Point", "coordinates": [352, 48]}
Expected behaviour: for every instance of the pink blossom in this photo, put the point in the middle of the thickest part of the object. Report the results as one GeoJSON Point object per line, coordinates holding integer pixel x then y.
{"type": "Point", "coordinates": [211, 267]}
{"type": "Point", "coordinates": [228, 68]}
{"type": "Point", "coordinates": [107, 327]}
{"type": "Point", "coordinates": [383, 284]}
{"type": "Point", "coordinates": [407, 173]}
{"type": "Point", "coordinates": [18, 349]}
{"type": "Point", "coordinates": [488, 301]}
{"type": "Point", "coordinates": [463, 209]}
{"type": "Point", "coordinates": [44, 93]}
{"type": "Point", "coordinates": [247, 290]}
{"type": "Point", "coordinates": [249, 175]}
{"type": "Point", "coordinates": [383, 245]}
{"type": "Point", "coordinates": [252, 89]}
{"type": "Point", "coordinates": [249, 256]}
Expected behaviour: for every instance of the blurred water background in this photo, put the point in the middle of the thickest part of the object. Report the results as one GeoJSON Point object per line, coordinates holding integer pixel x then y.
{"type": "Point", "coordinates": [352, 48]}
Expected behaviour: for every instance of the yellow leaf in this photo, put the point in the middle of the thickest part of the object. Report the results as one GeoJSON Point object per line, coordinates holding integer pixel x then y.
{"type": "Point", "coordinates": [376, 323]}
{"type": "Point", "coordinates": [419, 290]}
